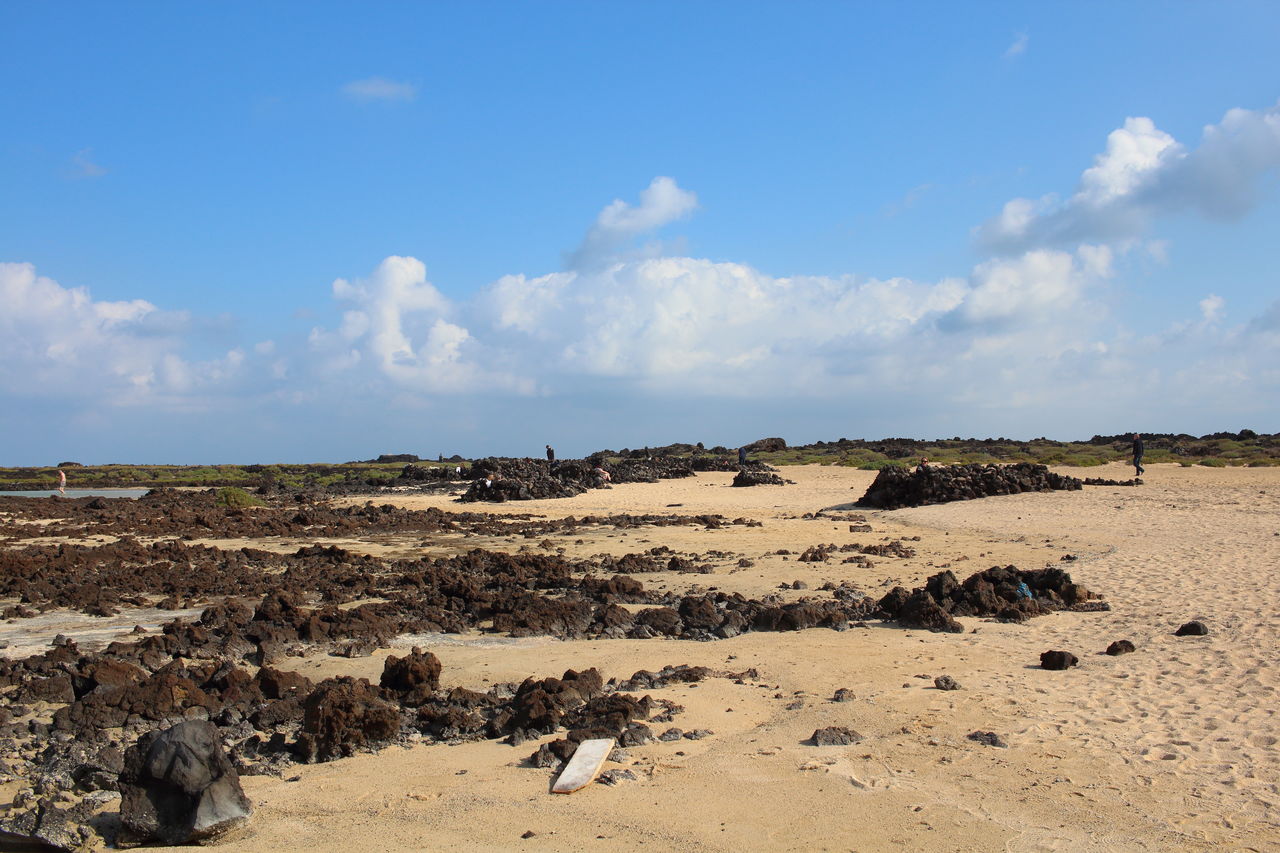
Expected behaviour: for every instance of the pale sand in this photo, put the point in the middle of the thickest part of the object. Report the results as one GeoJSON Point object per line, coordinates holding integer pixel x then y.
{"type": "Point", "coordinates": [1171, 748]}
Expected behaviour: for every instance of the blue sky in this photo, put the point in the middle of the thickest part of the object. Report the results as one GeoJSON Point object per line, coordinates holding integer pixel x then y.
{"type": "Point", "coordinates": [323, 231]}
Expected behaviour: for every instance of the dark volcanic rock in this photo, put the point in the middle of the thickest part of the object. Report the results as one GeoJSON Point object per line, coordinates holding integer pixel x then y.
{"type": "Point", "coordinates": [414, 677]}
{"type": "Point", "coordinates": [896, 487]}
{"type": "Point", "coordinates": [1192, 629]}
{"type": "Point", "coordinates": [946, 682]}
{"type": "Point", "coordinates": [834, 736]}
{"type": "Point", "coordinates": [1058, 660]}
{"type": "Point", "coordinates": [178, 787]}
{"type": "Point", "coordinates": [746, 477]}
{"type": "Point", "coordinates": [987, 739]}
{"type": "Point", "coordinates": [343, 715]}
{"type": "Point", "coordinates": [1005, 592]}
{"type": "Point", "coordinates": [919, 609]}
{"type": "Point", "coordinates": [1121, 647]}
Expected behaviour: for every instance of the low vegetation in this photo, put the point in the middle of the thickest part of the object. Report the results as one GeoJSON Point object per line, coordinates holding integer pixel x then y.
{"type": "Point", "coordinates": [1243, 449]}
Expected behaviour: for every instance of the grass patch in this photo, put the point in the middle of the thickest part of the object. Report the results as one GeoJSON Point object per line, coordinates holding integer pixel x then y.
{"type": "Point", "coordinates": [237, 497]}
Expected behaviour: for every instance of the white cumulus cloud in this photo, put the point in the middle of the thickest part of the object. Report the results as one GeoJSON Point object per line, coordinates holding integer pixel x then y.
{"type": "Point", "coordinates": [59, 341]}
{"type": "Point", "coordinates": [1145, 173]}
{"type": "Point", "coordinates": [400, 326]}
{"type": "Point", "coordinates": [662, 202]}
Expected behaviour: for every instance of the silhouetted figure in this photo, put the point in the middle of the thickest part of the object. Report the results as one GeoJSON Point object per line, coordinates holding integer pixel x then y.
{"type": "Point", "coordinates": [551, 455]}
{"type": "Point", "coordinates": [742, 456]}
{"type": "Point", "coordinates": [1137, 456]}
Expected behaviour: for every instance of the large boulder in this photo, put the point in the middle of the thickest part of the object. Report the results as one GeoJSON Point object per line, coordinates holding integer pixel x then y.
{"type": "Point", "coordinates": [178, 787]}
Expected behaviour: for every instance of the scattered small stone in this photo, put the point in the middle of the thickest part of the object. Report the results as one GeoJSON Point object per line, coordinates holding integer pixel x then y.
{"type": "Point", "coordinates": [698, 734]}
{"type": "Point", "coordinates": [613, 777]}
{"type": "Point", "coordinates": [1058, 660]}
{"type": "Point", "coordinates": [795, 706]}
{"type": "Point", "coordinates": [844, 694]}
{"type": "Point", "coordinates": [528, 833]}
{"type": "Point", "coordinates": [835, 736]}
{"type": "Point", "coordinates": [1194, 628]}
{"type": "Point", "coordinates": [618, 756]}
{"type": "Point", "coordinates": [946, 682]}
{"type": "Point", "coordinates": [671, 734]}
{"type": "Point", "coordinates": [988, 739]}
{"type": "Point", "coordinates": [1121, 647]}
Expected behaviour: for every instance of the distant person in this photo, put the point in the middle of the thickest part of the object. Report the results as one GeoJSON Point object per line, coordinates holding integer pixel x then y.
{"type": "Point", "coordinates": [551, 455]}
{"type": "Point", "coordinates": [62, 482]}
{"type": "Point", "coordinates": [1137, 455]}
{"type": "Point", "coordinates": [602, 477]}
{"type": "Point", "coordinates": [924, 464]}
{"type": "Point", "coordinates": [742, 456]}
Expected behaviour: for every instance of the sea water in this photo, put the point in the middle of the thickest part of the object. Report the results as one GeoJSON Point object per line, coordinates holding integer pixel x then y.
{"type": "Point", "coordinates": [80, 493]}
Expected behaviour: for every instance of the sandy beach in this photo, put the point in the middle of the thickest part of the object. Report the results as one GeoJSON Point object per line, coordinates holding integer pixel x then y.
{"type": "Point", "coordinates": [1169, 748]}
{"type": "Point", "coordinates": [1172, 747]}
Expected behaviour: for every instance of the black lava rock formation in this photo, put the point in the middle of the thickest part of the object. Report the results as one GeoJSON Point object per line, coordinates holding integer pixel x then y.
{"type": "Point", "coordinates": [895, 487]}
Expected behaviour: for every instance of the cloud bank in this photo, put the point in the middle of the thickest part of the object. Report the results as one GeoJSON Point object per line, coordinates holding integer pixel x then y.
{"type": "Point", "coordinates": [1143, 174]}
{"type": "Point", "coordinates": [1025, 336]}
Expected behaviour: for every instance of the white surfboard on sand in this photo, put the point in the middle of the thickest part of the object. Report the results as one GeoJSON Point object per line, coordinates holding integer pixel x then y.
{"type": "Point", "coordinates": [585, 765]}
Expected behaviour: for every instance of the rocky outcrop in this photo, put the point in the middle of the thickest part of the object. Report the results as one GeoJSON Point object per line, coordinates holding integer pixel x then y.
{"type": "Point", "coordinates": [895, 487]}
{"type": "Point", "coordinates": [1004, 592]}
{"type": "Point", "coordinates": [746, 477]}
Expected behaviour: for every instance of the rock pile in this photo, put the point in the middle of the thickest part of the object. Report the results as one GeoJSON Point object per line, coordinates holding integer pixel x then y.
{"type": "Point", "coordinates": [500, 480]}
{"type": "Point", "coordinates": [1006, 593]}
{"type": "Point", "coordinates": [748, 477]}
{"type": "Point", "coordinates": [896, 487]}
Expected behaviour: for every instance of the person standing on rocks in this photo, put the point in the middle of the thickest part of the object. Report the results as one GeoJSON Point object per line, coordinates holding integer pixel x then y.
{"type": "Point", "coordinates": [551, 455]}
{"type": "Point", "coordinates": [1137, 455]}
{"type": "Point", "coordinates": [742, 456]}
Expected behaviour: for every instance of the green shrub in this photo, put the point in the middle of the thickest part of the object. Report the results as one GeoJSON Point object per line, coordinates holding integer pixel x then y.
{"type": "Point", "coordinates": [1212, 462]}
{"type": "Point", "coordinates": [877, 464]}
{"type": "Point", "coordinates": [236, 497]}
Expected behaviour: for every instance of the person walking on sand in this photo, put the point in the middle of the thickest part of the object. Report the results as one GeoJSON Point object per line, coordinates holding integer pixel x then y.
{"type": "Point", "coordinates": [1137, 455]}
{"type": "Point", "coordinates": [62, 482]}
